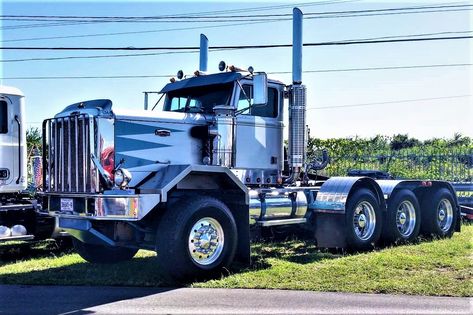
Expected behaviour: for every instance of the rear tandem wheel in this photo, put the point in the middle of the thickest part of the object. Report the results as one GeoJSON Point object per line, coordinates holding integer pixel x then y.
{"type": "Point", "coordinates": [403, 219]}
{"type": "Point", "coordinates": [363, 220]}
{"type": "Point", "coordinates": [439, 215]}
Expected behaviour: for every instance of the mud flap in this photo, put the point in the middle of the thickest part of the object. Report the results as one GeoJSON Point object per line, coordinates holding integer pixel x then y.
{"type": "Point", "coordinates": [242, 217]}
{"type": "Point", "coordinates": [330, 230]}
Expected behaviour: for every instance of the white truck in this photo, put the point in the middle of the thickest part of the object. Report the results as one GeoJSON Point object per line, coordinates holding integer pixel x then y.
{"type": "Point", "coordinates": [21, 217]}
{"type": "Point", "coordinates": [194, 180]}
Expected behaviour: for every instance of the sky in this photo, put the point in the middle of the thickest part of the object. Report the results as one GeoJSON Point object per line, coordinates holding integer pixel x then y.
{"type": "Point", "coordinates": [422, 102]}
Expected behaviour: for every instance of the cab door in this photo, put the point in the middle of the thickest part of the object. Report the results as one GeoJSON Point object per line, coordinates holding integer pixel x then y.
{"type": "Point", "coordinates": [6, 145]}
{"type": "Point", "coordinates": [12, 144]}
{"type": "Point", "coordinates": [259, 136]}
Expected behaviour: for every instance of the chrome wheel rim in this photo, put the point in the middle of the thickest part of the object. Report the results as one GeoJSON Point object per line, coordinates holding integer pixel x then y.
{"type": "Point", "coordinates": [364, 220]}
{"type": "Point", "coordinates": [445, 215]}
{"type": "Point", "coordinates": [406, 218]}
{"type": "Point", "coordinates": [206, 241]}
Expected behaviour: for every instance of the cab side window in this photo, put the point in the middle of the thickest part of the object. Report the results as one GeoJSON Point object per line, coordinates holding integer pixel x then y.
{"type": "Point", "coordinates": [268, 110]}
{"type": "Point", "coordinates": [3, 117]}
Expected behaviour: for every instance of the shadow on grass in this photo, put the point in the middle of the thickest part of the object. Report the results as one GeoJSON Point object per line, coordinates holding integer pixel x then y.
{"type": "Point", "coordinates": [140, 271]}
{"type": "Point", "coordinates": [15, 251]}
{"type": "Point", "coordinates": [144, 270]}
{"type": "Point", "coordinates": [298, 251]}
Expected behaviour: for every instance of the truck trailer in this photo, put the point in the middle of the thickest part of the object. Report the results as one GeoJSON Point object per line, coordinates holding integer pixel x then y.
{"type": "Point", "coordinates": [196, 179]}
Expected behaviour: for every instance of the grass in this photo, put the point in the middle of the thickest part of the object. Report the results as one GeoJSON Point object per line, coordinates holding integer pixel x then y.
{"type": "Point", "coordinates": [439, 268]}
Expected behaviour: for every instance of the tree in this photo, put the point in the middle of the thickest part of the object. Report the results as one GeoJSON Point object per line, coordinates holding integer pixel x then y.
{"type": "Point", "coordinates": [402, 142]}
{"type": "Point", "coordinates": [34, 140]}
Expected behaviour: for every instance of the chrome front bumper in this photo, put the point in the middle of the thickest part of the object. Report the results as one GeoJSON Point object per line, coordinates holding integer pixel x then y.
{"type": "Point", "coordinates": [107, 206]}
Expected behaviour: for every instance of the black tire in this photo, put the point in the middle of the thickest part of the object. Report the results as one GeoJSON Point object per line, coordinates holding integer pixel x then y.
{"type": "Point", "coordinates": [174, 242]}
{"type": "Point", "coordinates": [403, 219]}
{"type": "Point", "coordinates": [103, 254]}
{"type": "Point", "coordinates": [432, 206]}
{"type": "Point", "coordinates": [353, 220]}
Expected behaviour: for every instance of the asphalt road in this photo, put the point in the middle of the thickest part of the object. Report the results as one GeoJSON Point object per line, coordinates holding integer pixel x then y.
{"type": "Point", "coordinates": [125, 300]}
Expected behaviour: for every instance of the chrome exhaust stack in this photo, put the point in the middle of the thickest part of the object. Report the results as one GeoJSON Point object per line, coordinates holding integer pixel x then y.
{"type": "Point", "coordinates": [297, 46]}
{"type": "Point", "coordinates": [204, 52]}
{"type": "Point", "coordinates": [297, 104]}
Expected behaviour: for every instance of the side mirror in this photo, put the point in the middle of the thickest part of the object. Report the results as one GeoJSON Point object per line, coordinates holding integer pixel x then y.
{"type": "Point", "coordinates": [260, 89]}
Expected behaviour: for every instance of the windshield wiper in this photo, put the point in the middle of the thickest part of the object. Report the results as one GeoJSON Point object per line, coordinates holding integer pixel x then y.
{"type": "Point", "coordinates": [244, 93]}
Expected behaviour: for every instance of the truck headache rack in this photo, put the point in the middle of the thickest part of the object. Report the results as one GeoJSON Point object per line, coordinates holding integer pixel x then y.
{"type": "Point", "coordinates": [66, 151]}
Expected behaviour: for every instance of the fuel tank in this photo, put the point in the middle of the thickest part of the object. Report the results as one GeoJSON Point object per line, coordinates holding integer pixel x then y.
{"type": "Point", "coordinates": [272, 204]}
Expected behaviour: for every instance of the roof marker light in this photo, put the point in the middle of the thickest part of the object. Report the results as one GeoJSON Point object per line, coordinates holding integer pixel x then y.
{"type": "Point", "coordinates": [222, 66]}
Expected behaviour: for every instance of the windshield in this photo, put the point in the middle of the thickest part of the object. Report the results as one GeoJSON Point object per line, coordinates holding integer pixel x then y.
{"type": "Point", "coordinates": [201, 99]}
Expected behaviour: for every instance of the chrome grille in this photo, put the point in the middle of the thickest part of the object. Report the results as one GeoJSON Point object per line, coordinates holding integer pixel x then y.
{"type": "Point", "coordinates": [67, 150]}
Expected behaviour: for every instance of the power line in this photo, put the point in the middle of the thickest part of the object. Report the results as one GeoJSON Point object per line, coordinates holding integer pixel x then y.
{"type": "Point", "coordinates": [176, 29]}
{"type": "Point", "coordinates": [217, 19]}
{"type": "Point", "coordinates": [102, 56]}
{"type": "Point", "coordinates": [383, 14]}
{"type": "Point", "coordinates": [275, 72]}
{"type": "Point", "coordinates": [133, 32]}
{"type": "Point", "coordinates": [243, 20]}
{"type": "Point", "coordinates": [58, 18]}
{"type": "Point", "coordinates": [379, 68]}
{"type": "Point", "coordinates": [196, 50]}
{"type": "Point", "coordinates": [354, 42]}
{"type": "Point", "coordinates": [251, 9]}
{"type": "Point", "coordinates": [391, 102]}
{"type": "Point", "coordinates": [214, 20]}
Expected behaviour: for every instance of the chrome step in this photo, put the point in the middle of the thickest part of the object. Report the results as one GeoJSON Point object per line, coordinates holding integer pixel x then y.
{"type": "Point", "coordinates": [282, 222]}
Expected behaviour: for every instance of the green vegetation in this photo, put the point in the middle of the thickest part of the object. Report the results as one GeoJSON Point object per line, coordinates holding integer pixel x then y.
{"type": "Point", "coordinates": [440, 267]}
{"type": "Point", "coordinates": [401, 156]}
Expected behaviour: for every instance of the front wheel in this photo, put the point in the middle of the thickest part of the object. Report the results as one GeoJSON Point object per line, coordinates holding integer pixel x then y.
{"type": "Point", "coordinates": [363, 220]}
{"type": "Point", "coordinates": [196, 239]}
{"type": "Point", "coordinates": [103, 254]}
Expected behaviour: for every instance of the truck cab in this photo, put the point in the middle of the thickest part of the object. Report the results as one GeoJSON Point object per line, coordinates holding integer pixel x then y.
{"type": "Point", "coordinates": [258, 134]}
{"type": "Point", "coordinates": [20, 218]}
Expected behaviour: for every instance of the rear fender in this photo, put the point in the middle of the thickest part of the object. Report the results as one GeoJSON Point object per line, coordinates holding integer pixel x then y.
{"type": "Point", "coordinates": [422, 189]}
{"type": "Point", "coordinates": [329, 208]}
{"type": "Point", "coordinates": [336, 191]}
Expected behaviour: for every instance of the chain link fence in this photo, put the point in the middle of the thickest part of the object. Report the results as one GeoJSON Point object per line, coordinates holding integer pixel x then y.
{"type": "Point", "coordinates": [455, 165]}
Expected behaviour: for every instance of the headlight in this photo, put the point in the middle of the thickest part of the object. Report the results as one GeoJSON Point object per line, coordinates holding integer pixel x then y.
{"type": "Point", "coordinates": [122, 177]}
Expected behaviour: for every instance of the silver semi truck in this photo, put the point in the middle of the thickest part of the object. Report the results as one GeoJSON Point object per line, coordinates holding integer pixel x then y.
{"type": "Point", "coordinates": [193, 180]}
{"type": "Point", "coordinates": [21, 217]}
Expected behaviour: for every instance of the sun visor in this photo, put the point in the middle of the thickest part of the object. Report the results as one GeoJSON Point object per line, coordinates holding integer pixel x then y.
{"type": "Point", "coordinates": [219, 78]}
